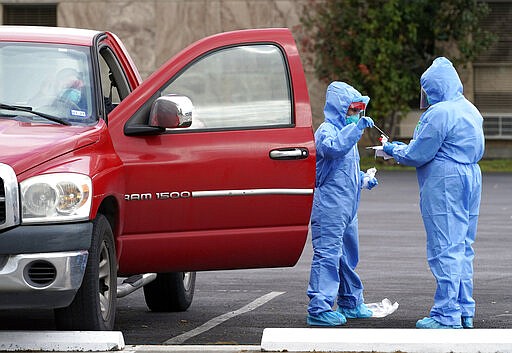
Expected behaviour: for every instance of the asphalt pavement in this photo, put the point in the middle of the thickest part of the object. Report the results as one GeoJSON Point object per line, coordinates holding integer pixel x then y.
{"type": "Point", "coordinates": [232, 309]}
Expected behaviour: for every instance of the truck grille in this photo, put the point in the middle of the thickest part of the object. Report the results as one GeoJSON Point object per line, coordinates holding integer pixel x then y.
{"type": "Point", "coordinates": [9, 199]}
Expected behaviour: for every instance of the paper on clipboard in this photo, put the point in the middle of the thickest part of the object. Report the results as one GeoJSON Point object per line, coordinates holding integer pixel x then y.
{"type": "Point", "coordinates": [379, 152]}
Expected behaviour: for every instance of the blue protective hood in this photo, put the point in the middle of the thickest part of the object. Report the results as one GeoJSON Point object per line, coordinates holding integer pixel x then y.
{"type": "Point", "coordinates": [339, 96]}
{"type": "Point", "coordinates": [441, 81]}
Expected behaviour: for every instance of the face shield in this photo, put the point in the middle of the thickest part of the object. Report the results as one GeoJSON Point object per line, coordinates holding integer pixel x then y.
{"type": "Point", "coordinates": [424, 104]}
{"type": "Point", "coordinates": [355, 111]}
{"type": "Point", "coordinates": [357, 108]}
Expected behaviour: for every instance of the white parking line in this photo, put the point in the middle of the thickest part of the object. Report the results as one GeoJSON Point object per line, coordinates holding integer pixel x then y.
{"type": "Point", "coordinates": [224, 317]}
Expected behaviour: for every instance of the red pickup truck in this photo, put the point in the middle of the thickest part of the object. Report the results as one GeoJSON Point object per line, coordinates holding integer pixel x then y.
{"type": "Point", "coordinates": [208, 164]}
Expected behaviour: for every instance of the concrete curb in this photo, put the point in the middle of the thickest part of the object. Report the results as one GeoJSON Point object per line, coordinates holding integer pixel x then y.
{"type": "Point", "coordinates": [277, 340]}
{"type": "Point", "coordinates": [386, 340]}
{"type": "Point", "coordinates": [193, 348]}
{"type": "Point", "coordinates": [61, 341]}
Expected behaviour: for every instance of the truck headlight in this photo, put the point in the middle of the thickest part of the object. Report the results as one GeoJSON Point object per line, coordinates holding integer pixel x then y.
{"type": "Point", "coordinates": [59, 197]}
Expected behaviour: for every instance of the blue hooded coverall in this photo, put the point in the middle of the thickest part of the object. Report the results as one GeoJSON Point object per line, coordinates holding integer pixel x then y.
{"type": "Point", "coordinates": [446, 146]}
{"type": "Point", "coordinates": [334, 224]}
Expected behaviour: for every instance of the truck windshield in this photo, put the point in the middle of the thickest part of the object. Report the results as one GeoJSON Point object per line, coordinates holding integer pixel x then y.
{"type": "Point", "coordinates": [51, 79]}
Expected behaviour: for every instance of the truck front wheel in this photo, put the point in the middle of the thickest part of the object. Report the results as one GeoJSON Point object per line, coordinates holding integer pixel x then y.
{"type": "Point", "coordinates": [170, 291]}
{"type": "Point", "coordinates": [94, 305]}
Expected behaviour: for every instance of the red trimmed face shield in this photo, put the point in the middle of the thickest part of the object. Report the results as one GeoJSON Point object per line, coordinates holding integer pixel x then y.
{"type": "Point", "coordinates": [356, 110]}
{"type": "Point", "coordinates": [357, 106]}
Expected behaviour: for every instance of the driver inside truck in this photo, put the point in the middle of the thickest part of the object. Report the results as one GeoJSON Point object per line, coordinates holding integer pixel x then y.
{"type": "Point", "coordinates": [69, 87]}
{"type": "Point", "coordinates": [64, 89]}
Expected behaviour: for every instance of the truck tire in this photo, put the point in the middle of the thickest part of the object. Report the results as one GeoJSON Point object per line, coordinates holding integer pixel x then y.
{"type": "Point", "coordinates": [94, 306]}
{"type": "Point", "coordinates": [170, 292]}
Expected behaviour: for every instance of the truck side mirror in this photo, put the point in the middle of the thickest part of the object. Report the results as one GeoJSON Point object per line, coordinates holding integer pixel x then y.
{"type": "Point", "coordinates": [171, 111]}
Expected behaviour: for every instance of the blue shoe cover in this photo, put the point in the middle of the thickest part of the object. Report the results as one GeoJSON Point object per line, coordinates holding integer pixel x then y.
{"type": "Point", "coordinates": [467, 322]}
{"type": "Point", "coordinates": [428, 322]}
{"type": "Point", "coordinates": [359, 312]}
{"type": "Point", "coordinates": [327, 318]}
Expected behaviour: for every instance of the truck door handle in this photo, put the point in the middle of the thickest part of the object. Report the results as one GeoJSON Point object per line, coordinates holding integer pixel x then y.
{"type": "Point", "coordinates": [289, 153]}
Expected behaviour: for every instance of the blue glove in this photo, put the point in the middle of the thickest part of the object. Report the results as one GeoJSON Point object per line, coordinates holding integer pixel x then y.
{"type": "Point", "coordinates": [368, 180]}
{"type": "Point", "coordinates": [364, 122]}
{"type": "Point", "coordinates": [389, 148]}
{"type": "Point", "coordinates": [398, 143]}
{"type": "Point", "coordinates": [372, 182]}
{"type": "Point", "coordinates": [361, 178]}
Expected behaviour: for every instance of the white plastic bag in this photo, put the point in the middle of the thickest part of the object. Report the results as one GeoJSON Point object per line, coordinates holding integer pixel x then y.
{"type": "Point", "coordinates": [383, 309]}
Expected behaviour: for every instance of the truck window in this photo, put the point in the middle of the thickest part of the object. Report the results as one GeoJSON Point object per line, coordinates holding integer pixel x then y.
{"type": "Point", "coordinates": [237, 87]}
{"type": "Point", "coordinates": [49, 78]}
{"type": "Point", "coordinates": [113, 81]}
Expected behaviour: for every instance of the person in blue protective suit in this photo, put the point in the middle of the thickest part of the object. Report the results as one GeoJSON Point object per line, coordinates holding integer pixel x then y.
{"type": "Point", "coordinates": [334, 224]}
{"type": "Point", "coordinates": [446, 146]}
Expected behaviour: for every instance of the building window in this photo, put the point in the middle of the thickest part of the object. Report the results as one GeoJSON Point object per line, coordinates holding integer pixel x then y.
{"type": "Point", "coordinates": [30, 15]}
{"type": "Point", "coordinates": [492, 72]}
{"type": "Point", "coordinates": [498, 126]}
